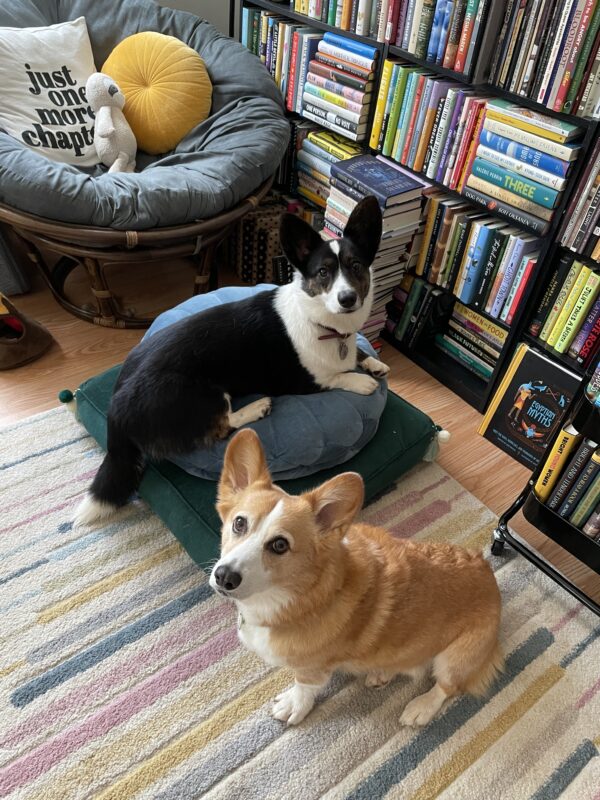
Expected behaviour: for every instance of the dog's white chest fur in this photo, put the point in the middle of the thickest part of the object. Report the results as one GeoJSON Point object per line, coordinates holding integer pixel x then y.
{"type": "Point", "coordinates": [302, 316]}
{"type": "Point", "coordinates": [256, 638]}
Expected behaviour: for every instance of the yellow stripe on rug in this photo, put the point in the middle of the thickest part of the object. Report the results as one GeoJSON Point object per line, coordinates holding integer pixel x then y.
{"type": "Point", "coordinates": [106, 584]}
{"type": "Point", "coordinates": [181, 749]}
{"type": "Point", "coordinates": [474, 749]}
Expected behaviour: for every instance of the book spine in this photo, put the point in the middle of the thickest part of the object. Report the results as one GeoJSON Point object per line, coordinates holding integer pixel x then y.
{"type": "Point", "coordinates": [354, 95]}
{"type": "Point", "coordinates": [439, 13]}
{"type": "Point", "coordinates": [524, 154]}
{"type": "Point", "coordinates": [521, 168]}
{"type": "Point", "coordinates": [384, 87]}
{"type": "Point", "coordinates": [591, 345]}
{"type": "Point", "coordinates": [472, 149]}
{"type": "Point", "coordinates": [327, 123]}
{"type": "Point", "coordinates": [571, 473]}
{"type": "Point", "coordinates": [521, 283]}
{"type": "Point", "coordinates": [557, 458]}
{"type": "Point", "coordinates": [496, 333]}
{"type": "Point", "coordinates": [364, 62]}
{"type": "Point", "coordinates": [454, 34]}
{"type": "Point", "coordinates": [564, 50]}
{"type": "Point", "coordinates": [582, 60]}
{"type": "Point", "coordinates": [433, 136]}
{"type": "Point", "coordinates": [441, 134]}
{"type": "Point", "coordinates": [316, 162]}
{"type": "Point", "coordinates": [586, 504]}
{"type": "Point", "coordinates": [575, 51]}
{"type": "Point", "coordinates": [388, 107]}
{"type": "Point", "coordinates": [473, 36]}
{"type": "Point", "coordinates": [351, 45]}
{"type": "Point", "coordinates": [560, 300]}
{"type": "Point", "coordinates": [392, 125]}
{"type": "Point", "coordinates": [414, 29]}
{"type": "Point", "coordinates": [506, 210]}
{"type": "Point", "coordinates": [557, 38]}
{"type": "Point", "coordinates": [567, 307]}
{"type": "Point", "coordinates": [479, 341]}
{"type": "Point", "coordinates": [465, 35]}
{"type": "Point", "coordinates": [413, 119]}
{"type": "Point", "coordinates": [555, 149]}
{"type": "Point", "coordinates": [580, 309]}
{"type": "Point", "coordinates": [292, 79]}
{"type": "Point", "coordinates": [343, 65]}
{"type": "Point", "coordinates": [337, 119]}
{"type": "Point", "coordinates": [464, 141]}
{"type": "Point", "coordinates": [424, 29]}
{"type": "Point", "coordinates": [585, 330]}
{"type": "Point", "coordinates": [451, 139]}
{"type": "Point", "coordinates": [410, 13]}
{"type": "Point", "coordinates": [586, 479]}
{"type": "Point", "coordinates": [338, 75]}
{"type": "Point", "coordinates": [471, 361]}
{"type": "Point", "coordinates": [485, 281]}
{"type": "Point", "coordinates": [592, 526]}
{"type": "Point", "coordinates": [547, 128]}
{"type": "Point", "coordinates": [509, 198]}
{"type": "Point", "coordinates": [514, 183]}
{"type": "Point", "coordinates": [333, 100]}
{"type": "Point", "coordinates": [471, 346]}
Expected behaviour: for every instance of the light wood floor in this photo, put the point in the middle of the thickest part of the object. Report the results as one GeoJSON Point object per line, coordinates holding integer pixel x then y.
{"type": "Point", "coordinates": [83, 350]}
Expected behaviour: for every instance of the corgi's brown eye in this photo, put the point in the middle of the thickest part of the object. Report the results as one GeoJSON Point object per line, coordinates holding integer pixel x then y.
{"type": "Point", "coordinates": [240, 525]}
{"type": "Point", "coordinates": [323, 272]}
{"type": "Point", "coordinates": [279, 546]}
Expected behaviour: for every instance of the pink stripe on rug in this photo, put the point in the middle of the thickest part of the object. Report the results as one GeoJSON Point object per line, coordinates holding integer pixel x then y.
{"type": "Point", "coordinates": [422, 519]}
{"type": "Point", "coordinates": [86, 476]}
{"type": "Point", "coordinates": [567, 618]}
{"type": "Point", "coordinates": [384, 515]}
{"type": "Point", "coordinates": [587, 696]}
{"type": "Point", "coordinates": [38, 761]}
{"type": "Point", "coordinates": [70, 502]}
{"type": "Point", "coordinates": [77, 699]}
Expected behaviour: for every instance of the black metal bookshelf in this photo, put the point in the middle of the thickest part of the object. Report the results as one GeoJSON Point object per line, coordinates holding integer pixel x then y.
{"type": "Point", "coordinates": [473, 389]}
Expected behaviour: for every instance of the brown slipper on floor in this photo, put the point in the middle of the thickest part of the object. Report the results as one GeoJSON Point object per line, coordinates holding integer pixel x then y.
{"type": "Point", "coordinates": [22, 339]}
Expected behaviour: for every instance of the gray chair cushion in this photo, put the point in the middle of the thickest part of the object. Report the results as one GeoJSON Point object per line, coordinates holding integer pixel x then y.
{"type": "Point", "coordinates": [217, 164]}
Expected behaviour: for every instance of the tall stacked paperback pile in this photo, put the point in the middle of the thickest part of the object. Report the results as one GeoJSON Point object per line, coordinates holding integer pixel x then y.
{"type": "Point", "coordinates": [522, 159]}
{"type": "Point", "coordinates": [444, 32]}
{"type": "Point", "coordinates": [319, 151]}
{"type": "Point", "coordinates": [485, 262]}
{"type": "Point", "coordinates": [399, 196]}
{"type": "Point", "coordinates": [568, 316]}
{"type": "Point", "coordinates": [549, 51]}
{"type": "Point", "coordinates": [286, 176]}
{"type": "Point", "coordinates": [581, 230]}
{"type": "Point", "coordinates": [336, 86]}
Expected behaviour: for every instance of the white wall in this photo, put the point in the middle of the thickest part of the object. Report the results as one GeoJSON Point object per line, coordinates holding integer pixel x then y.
{"type": "Point", "coordinates": [215, 11]}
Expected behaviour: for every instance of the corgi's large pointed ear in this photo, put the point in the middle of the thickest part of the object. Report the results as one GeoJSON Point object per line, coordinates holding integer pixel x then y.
{"type": "Point", "coordinates": [243, 465]}
{"type": "Point", "coordinates": [298, 240]}
{"type": "Point", "coordinates": [338, 501]}
{"type": "Point", "coordinates": [364, 227]}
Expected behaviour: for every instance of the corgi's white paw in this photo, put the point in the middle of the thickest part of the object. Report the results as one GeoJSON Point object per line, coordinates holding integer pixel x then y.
{"type": "Point", "coordinates": [423, 708]}
{"type": "Point", "coordinates": [294, 704]}
{"type": "Point", "coordinates": [375, 367]}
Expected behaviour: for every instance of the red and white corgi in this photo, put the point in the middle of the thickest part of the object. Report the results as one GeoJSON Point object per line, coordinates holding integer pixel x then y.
{"type": "Point", "coordinates": [318, 592]}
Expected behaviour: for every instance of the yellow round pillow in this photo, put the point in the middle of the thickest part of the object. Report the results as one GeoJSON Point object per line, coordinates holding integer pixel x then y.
{"type": "Point", "coordinates": [166, 86]}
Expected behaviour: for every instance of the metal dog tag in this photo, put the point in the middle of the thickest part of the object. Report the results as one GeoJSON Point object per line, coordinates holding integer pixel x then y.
{"type": "Point", "coordinates": [343, 349]}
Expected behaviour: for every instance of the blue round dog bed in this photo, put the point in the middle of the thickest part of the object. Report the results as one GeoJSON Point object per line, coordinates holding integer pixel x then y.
{"type": "Point", "coordinates": [304, 433]}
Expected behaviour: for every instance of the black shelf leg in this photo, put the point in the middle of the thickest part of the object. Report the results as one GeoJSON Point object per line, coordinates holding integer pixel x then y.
{"type": "Point", "coordinates": [501, 535]}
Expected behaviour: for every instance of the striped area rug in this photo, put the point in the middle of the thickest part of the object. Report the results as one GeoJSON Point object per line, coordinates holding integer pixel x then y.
{"type": "Point", "coordinates": [121, 674]}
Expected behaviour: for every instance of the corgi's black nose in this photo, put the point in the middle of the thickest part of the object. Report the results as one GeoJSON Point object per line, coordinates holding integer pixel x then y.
{"type": "Point", "coordinates": [227, 579]}
{"type": "Point", "coordinates": [347, 299]}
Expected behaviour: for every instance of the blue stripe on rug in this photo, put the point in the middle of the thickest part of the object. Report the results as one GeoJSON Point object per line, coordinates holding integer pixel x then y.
{"type": "Point", "coordinates": [580, 647]}
{"type": "Point", "coordinates": [23, 571]}
{"type": "Point", "coordinates": [39, 453]}
{"type": "Point", "coordinates": [107, 647]}
{"type": "Point", "coordinates": [434, 735]}
{"type": "Point", "coordinates": [566, 772]}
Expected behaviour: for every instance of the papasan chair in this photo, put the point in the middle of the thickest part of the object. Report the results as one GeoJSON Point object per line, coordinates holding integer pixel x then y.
{"type": "Point", "coordinates": [179, 205]}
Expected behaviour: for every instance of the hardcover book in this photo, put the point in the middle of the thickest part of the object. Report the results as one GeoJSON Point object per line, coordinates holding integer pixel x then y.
{"type": "Point", "coordinates": [369, 174]}
{"type": "Point", "coordinates": [528, 406]}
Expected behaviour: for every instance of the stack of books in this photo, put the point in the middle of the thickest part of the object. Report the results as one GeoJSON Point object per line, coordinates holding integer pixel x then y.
{"type": "Point", "coordinates": [521, 160]}
{"type": "Point", "coordinates": [444, 32]}
{"type": "Point", "coordinates": [581, 229]}
{"type": "Point", "coordinates": [484, 261]}
{"type": "Point", "coordinates": [473, 340]}
{"type": "Point", "coordinates": [286, 178]}
{"type": "Point", "coordinates": [319, 151]}
{"type": "Point", "coordinates": [377, 19]}
{"type": "Point", "coordinates": [568, 316]}
{"type": "Point", "coordinates": [548, 50]}
{"type": "Point", "coordinates": [399, 196]}
{"type": "Point", "coordinates": [569, 482]}
{"type": "Point", "coordinates": [336, 76]}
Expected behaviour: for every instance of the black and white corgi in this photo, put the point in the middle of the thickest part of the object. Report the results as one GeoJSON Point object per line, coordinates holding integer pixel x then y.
{"type": "Point", "coordinates": [174, 391]}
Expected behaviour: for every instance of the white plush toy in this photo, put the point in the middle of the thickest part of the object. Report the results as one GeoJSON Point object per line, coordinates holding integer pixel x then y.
{"type": "Point", "coordinates": [113, 138]}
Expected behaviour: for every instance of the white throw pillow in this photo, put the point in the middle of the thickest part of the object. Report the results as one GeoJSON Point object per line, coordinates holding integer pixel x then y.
{"type": "Point", "coordinates": [43, 72]}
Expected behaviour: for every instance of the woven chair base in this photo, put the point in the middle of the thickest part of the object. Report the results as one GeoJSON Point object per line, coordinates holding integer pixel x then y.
{"type": "Point", "coordinates": [57, 249]}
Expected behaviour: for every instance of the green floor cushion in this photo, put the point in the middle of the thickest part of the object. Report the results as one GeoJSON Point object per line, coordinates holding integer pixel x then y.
{"type": "Point", "coordinates": [186, 504]}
